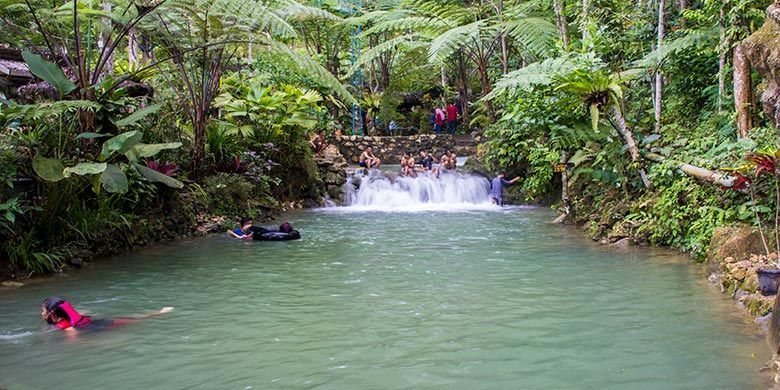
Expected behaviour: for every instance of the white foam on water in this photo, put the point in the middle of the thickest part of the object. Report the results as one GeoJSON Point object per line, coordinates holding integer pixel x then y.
{"type": "Point", "coordinates": [15, 336]}
{"type": "Point", "coordinates": [451, 191]}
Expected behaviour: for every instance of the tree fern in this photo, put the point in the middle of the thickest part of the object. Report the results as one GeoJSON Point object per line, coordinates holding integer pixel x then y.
{"type": "Point", "coordinates": [694, 38]}
{"type": "Point", "coordinates": [456, 38]}
{"type": "Point", "coordinates": [400, 42]}
{"type": "Point", "coordinates": [538, 73]}
{"type": "Point", "coordinates": [447, 9]}
{"type": "Point", "coordinates": [291, 10]}
{"type": "Point", "coordinates": [536, 35]}
{"type": "Point", "coordinates": [418, 24]}
{"type": "Point", "coordinates": [318, 74]}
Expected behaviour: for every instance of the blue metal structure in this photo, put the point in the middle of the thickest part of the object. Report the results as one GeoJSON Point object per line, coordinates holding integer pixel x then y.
{"type": "Point", "coordinates": [354, 7]}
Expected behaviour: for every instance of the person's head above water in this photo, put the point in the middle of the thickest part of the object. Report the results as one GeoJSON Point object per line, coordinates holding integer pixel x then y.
{"type": "Point", "coordinates": [285, 228]}
{"type": "Point", "coordinates": [246, 221]}
{"type": "Point", "coordinates": [501, 174]}
{"type": "Point", "coordinates": [60, 313]}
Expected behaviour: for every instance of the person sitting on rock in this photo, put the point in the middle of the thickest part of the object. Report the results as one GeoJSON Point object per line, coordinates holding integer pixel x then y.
{"type": "Point", "coordinates": [449, 161]}
{"type": "Point", "coordinates": [429, 163]}
{"type": "Point", "coordinates": [407, 165]}
{"type": "Point", "coordinates": [319, 142]}
{"type": "Point", "coordinates": [245, 231]}
{"type": "Point", "coordinates": [368, 160]}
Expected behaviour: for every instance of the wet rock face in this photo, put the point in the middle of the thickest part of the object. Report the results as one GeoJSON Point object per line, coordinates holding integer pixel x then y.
{"type": "Point", "coordinates": [333, 172]}
{"type": "Point", "coordinates": [763, 50]}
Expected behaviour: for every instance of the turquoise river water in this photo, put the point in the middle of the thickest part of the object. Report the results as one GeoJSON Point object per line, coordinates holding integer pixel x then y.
{"type": "Point", "coordinates": [486, 298]}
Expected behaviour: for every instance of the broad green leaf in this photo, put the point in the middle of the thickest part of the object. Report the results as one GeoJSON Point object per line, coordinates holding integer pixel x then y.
{"type": "Point", "coordinates": [49, 72]}
{"type": "Point", "coordinates": [121, 143]}
{"type": "Point", "coordinates": [594, 116]}
{"type": "Point", "coordinates": [113, 179]}
{"type": "Point", "coordinates": [149, 150]}
{"type": "Point", "coordinates": [83, 169]}
{"type": "Point", "coordinates": [49, 169]}
{"type": "Point", "coordinates": [137, 115]}
{"type": "Point", "coordinates": [158, 177]}
{"type": "Point", "coordinates": [91, 135]}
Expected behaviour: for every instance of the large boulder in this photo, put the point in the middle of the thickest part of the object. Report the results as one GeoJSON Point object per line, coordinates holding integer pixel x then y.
{"type": "Point", "coordinates": [737, 243]}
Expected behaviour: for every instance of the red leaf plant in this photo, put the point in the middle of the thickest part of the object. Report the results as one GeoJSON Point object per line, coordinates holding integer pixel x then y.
{"type": "Point", "coordinates": [168, 169]}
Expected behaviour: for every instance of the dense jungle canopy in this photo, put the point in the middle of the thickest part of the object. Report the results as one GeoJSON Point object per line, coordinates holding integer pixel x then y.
{"type": "Point", "coordinates": [114, 110]}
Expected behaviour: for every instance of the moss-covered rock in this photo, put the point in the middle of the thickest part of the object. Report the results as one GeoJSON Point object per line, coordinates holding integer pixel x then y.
{"type": "Point", "coordinates": [763, 51]}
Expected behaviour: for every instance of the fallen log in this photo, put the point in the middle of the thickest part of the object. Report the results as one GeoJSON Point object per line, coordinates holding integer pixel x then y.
{"type": "Point", "coordinates": [718, 178]}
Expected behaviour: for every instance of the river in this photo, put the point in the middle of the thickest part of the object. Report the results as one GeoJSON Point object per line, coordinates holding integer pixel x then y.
{"type": "Point", "coordinates": [467, 298]}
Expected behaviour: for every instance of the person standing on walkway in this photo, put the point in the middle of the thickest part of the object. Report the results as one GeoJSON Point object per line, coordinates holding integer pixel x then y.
{"type": "Point", "coordinates": [497, 188]}
{"type": "Point", "coordinates": [452, 118]}
{"type": "Point", "coordinates": [440, 116]}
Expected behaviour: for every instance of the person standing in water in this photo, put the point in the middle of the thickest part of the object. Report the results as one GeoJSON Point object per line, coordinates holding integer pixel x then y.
{"type": "Point", "coordinates": [60, 314]}
{"type": "Point", "coordinates": [497, 188]}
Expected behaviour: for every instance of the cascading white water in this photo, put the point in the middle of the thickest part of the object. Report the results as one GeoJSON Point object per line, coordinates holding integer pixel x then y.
{"type": "Point", "coordinates": [451, 191]}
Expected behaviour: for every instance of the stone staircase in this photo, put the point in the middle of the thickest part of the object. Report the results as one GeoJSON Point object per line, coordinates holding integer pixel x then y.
{"type": "Point", "coordinates": [465, 145]}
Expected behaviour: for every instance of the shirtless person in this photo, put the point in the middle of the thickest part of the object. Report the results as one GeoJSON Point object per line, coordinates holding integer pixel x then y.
{"type": "Point", "coordinates": [368, 160]}
{"type": "Point", "coordinates": [319, 142]}
{"type": "Point", "coordinates": [448, 161]}
{"type": "Point", "coordinates": [407, 165]}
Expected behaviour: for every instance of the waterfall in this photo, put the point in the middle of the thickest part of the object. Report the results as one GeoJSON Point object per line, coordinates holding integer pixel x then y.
{"type": "Point", "coordinates": [390, 192]}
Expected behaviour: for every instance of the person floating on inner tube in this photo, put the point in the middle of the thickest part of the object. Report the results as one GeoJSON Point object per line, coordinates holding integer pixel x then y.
{"type": "Point", "coordinates": [284, 233]}
{"type": "Point", "coordinates": [59, 313]}
{"type": "Point", "coordinates": [245, 231]}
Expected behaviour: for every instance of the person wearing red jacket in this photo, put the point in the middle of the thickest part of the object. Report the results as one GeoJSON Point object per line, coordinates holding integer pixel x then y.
{"type": "Point", "coordinates": [452, 118]}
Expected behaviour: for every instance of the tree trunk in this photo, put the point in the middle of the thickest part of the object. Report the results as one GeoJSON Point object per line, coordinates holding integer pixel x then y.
{"type": "Point", "coordinates": [628, 136]}
{"type": "Point", "coordinates": [722, 50]}
{"type": "Point", "coordinates": [105, 37]}
{"type": "Point", "coordinates": [568, 213]}
{"type": "Point", "coordinates": [560, 20]}
{"type": "Point", "coordinates": [683, 8]}
{"type": "Point", "coordinates": [697, 172]}
{"type": "Point", "coordinates": [463, 87]}
{"type": "Point", "coordinates": [584, 22]}
{"type": "Point", "coordinates": [132, 47]}
{"type": "Point", "coordinates": [743, 91]}
{"type": "Point", "coordinates": [659, 78]}
{"type": "Point", "coordinates": [198, 143]}
{"type": "Point", "coordinates": [504, 52]}
{"type": "Point", "coordinates": [443, 77]}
